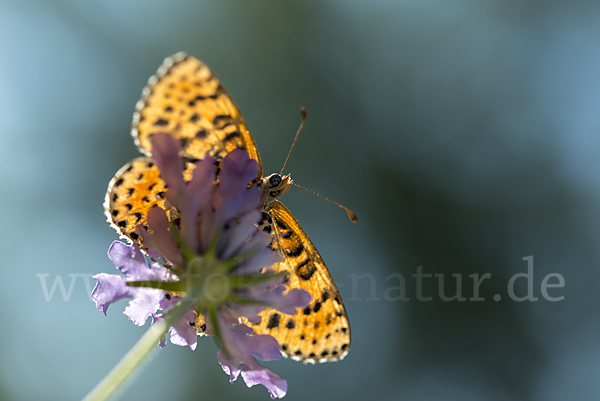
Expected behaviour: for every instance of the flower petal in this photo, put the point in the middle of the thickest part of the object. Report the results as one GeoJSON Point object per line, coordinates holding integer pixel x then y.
{"type": "Point", "coordinates": [246, 201]}
{"type": "Point", "coordinates": [165, 150]}
{"type": "Point", "coordinates": [240, 346]}
{"type": "Point", "coordinates": [229, 366]}
{"type": "Point", "coordinates": [263, 346]}
{"type": "Point", "coordinates": [275, 384]}
{"type": "Point", "coordinates": [198, 193]}
{"type": "Point", "coordinates": [263, 257]}
{"type": "Point", "coordinates": [110, 288]}
{"type": "Point", "coordinates": [145, 303]}
{"type": "Point", "coordinates": [238, 168]}
{"type": "Point", "coordinates": [200, 186]}
{"type": "Point", "coordinates": [129, 259]}
{"type": "Point", "coordinates": [286, 303]}
{"type": "Point", "coordinates": [183, 333]}
{"type": "Point", "coordinates": [239, 349]}
{"type": "Point", "coordinates": [238, 234]}
{"type": "Point", "coordinates": [161, 239]}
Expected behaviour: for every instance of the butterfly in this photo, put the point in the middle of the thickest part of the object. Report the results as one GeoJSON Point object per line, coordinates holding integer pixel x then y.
{"type": "Point", "coordinates": [186, 100]}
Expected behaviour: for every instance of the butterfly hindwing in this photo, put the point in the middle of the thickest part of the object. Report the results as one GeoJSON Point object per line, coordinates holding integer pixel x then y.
{"type": "Point", "coordinates": [135, 189]}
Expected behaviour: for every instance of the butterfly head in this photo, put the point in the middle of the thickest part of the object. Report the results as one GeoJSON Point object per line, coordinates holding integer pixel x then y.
{"type": "Point", "coordinates": [274, 186]}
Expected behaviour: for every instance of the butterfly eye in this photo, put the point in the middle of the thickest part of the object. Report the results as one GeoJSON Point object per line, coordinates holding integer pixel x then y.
{"type": "Point", "coordinates": [274, 180]}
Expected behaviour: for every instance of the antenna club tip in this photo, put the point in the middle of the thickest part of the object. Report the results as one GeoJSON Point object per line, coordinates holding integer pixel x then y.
{"type": "Point", "coordinates": [303, 112]}
{"type": "Point", "coordinates": [353, 217]}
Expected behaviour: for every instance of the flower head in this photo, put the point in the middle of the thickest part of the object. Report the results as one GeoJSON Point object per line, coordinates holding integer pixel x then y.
{"type": "Point", "coordinates": [217, 264]}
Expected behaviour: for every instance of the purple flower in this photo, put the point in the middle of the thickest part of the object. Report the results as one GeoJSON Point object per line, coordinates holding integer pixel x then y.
{"type": "Point", "coordinates": [217, 260]}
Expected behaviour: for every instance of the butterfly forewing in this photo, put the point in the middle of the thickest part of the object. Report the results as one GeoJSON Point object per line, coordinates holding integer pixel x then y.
{"type": "Point", "coordinates": [321, 331]}
{"type": "Point", "coordinates": [186, 100]}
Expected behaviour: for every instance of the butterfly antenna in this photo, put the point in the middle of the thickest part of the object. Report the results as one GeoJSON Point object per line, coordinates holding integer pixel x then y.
{"type": "Point", "coordinates": [303, 112]}
{"type": "Point", "coordinates": [350, 214]}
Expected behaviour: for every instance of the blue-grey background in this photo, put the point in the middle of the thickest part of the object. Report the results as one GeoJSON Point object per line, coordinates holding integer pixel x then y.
{"type": "Point", "coordinates": [464, 134]}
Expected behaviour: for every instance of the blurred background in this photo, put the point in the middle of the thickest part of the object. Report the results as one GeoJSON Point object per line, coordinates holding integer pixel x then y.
{"type": "Point", "coordinates": [465, 135]}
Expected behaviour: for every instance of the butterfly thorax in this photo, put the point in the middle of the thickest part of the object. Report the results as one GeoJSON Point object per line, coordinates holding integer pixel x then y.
{"type": "Point", "coordinates": [273, 186]}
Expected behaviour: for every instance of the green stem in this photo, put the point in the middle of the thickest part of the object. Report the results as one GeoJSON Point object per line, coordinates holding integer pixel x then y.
{"type": "Point", "coordinates": [132, 360]}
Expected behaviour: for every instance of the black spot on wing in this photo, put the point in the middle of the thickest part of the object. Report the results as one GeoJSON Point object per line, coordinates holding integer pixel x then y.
{"type": "Point", "coordinates": [274, 321]}
{"type": "Point", "coordinates": [281, 224]}
{"type": "Point", "coordinates": [222, 120]}
{"type": "Point", "coordinates": [305, 270]}
{"type": "Point", "coordinates": [266, 217]}
{"type": "Point", "coordinates": [294, 253]}
{"type": "Point", "coordinates": [232, 135]}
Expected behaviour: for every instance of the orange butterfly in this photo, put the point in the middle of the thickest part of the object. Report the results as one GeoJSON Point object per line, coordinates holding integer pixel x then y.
{"type": "Point", "coordinates": [186, 100]}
